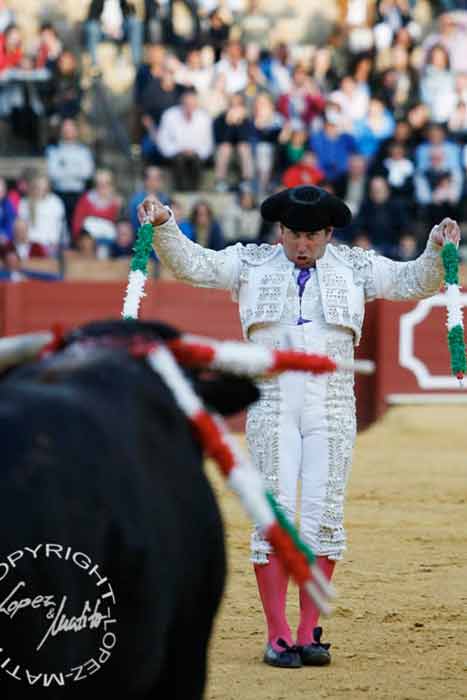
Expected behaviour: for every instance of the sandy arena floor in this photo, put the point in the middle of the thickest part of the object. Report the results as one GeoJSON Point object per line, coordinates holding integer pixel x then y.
{"type": "Point", "coordinates": [399, 628]}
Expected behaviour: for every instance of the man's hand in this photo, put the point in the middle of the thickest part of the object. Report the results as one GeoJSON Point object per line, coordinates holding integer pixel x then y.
{"type": "Point", "coordinates": [447, 231]}
{"type": "Point", "coordinates": [153, 211]}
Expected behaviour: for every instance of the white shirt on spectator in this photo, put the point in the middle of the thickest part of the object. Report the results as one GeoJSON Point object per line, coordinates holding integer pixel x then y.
{"type": "Point", "coordinates": [398, 170]}
{"type": "Point", "coordinates": [177, 133]}
{"type": "Point", "coordinates": [354, 106]}
{"type": "Point", "coordinates": [200, 79]}
{"type": "Point", "coordinates": [49, 221]}
{"type": "Point", "coordinates": [236, 77]}
{"type": "Point", "coordinates": [69, 165]}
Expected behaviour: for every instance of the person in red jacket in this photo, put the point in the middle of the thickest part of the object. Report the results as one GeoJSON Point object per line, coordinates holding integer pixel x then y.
{"type": "Point", "coordinates": [305, 172]}
{"type": "Point", "coordinates": [11, 49]}
{"type": "Point", "coordinates": [303, 101]}
{"type": "Point", "coordinates": [101, 202]}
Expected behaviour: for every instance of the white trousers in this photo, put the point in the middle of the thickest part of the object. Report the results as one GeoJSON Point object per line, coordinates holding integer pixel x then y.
{"type": "Point", "coordinates": [302, 430]}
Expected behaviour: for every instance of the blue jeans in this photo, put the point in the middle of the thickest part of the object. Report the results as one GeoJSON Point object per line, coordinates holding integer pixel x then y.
{"type": "Point", "coordinates": [132, 30]}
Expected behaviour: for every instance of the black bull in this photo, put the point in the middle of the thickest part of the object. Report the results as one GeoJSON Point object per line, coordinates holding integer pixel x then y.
{"type": "Point", "coordinates": [112, 561]}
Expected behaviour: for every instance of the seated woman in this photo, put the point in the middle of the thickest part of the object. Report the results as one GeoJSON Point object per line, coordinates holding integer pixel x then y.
{"type": "Point", "coordinates": [203, 228]}
{"type": "Point", "coordinates": [267, 126]}
{"type": "Point", "coordinates": [232, 133]}
{"type": "Point", "coordinates": [98, 208]}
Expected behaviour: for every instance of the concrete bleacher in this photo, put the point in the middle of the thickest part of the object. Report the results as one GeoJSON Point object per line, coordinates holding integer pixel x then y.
{"type": "Point", "coordinates": [12, 168]}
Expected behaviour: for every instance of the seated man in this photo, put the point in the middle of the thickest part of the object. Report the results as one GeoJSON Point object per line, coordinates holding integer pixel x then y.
{"type": "Point", "coordinates": [185, 139]}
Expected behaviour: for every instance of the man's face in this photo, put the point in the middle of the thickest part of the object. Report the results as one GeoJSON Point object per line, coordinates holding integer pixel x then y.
{"type": "Point", "coordinates": [304, 248]}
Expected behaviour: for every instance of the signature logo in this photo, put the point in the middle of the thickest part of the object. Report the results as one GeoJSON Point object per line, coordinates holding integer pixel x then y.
{"type": "Point", "coordinates": [20, 600]}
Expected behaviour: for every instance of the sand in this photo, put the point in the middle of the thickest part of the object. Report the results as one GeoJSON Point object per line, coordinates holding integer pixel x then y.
{"type": "Point", "coordinates": [399, 626]}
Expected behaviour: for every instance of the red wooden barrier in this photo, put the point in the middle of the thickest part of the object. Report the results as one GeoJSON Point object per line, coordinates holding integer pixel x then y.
{"type": "Point", "coordinates": [422, 345]}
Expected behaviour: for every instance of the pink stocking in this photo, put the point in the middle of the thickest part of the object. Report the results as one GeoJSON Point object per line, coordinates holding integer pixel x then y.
{"type": "Point", "coordinates": [309, 613]}
{"type": "Point", "coordinates": [272, 583]}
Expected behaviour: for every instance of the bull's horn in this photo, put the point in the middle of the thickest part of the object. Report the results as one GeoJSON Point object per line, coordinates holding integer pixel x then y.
{"type": "Point", "coordinates": [19, 348]}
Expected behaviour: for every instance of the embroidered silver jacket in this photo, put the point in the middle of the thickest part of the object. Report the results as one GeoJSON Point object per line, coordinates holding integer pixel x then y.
{"type": "Point", "coordinates": [258, 277]}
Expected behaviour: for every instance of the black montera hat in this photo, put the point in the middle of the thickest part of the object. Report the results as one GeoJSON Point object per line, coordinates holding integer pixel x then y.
{"type": "Point", "coordinates": [306, 208]}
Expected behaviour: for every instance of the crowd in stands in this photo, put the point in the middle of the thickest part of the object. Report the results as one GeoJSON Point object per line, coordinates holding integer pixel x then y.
{"type": "Point", "coordinates": [376, 112]}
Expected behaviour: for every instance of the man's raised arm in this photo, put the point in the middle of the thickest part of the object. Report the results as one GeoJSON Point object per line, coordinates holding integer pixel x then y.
{"type": "Point", "coordinates": [418, 278]}
{"type": "Point", "coordinates": [188, 261]}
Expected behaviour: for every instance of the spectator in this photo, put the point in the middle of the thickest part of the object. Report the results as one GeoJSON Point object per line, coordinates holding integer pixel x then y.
{"type": "Point", "coordinates": [266, 128]}
{"type": "Point", "coordinates": [293, 142]}
{"type": "Point", "coordinates": [399, 172]}
{"type": "Point", "coordinates": [86, 246]}
{"type": "Point", "coordinates": [361, 240]}
{"type": "Point", "coordinates": [256, 82]}
{"type": "Point", "coordinates": [457, 124]}
{"type": "Point", "coordinates": [20, 188]}
{"type": "Point", "coordinates": [323, 72]}
{"type": "Point", "coordinates": [333, 149]}
{"type": "Point", "coordinates": [437, 85]}
{"type": "Point", "coordinates": [11, 48]}
{"type": "Point", "coordinates": [185, 140]}
{"type": "Point", "coordinates": [182, 221]}
{"type": "Point", "coordinates": [406, 249]}
{"type": "Point", "coordinates": [158, 97]}
{"type": "Point", "coordinates": [241, 221]}
{"type": "Point", "coordinates": [233, 67]}
{"type": "Point", "coordinates": [371, 131]}
{"type": "Point", "coordinates": [204, 228]}
{"type": "Point", "coordinates": [152, 185]}
{"type": "Point", "coordinates": [152, 70]}
{"type": "Point", "coordinates": [194, 74]}
{"type": "Point", "coordinates": [402, 135]}
{"type": "Point", "coordinates": [70, 165]}
{"type": "Point", "coordinates": [397, 86]}
{"type": "Point", "coordinates": [232, 132]}
{"type": "Point", "coordinates": [20, 243]}
{"type": "Point", "coordinates": [217, 32]}
{"type": "Point", "coordinates": [50, 47]}
{"type": "Point", "coordinates": [352, 99]}
{"type": "Point", "coordinates": [45, 213]}
{"type": "Point", "coordinates": [64, 100]}
{"type": "Point", "coordinates": [182, 27]}
{"type": "Point", "coordinates": [7, 214]}
{"type": "Point", "coordinates": [452, 35]}
{"type": "Point", "coordinates": [277, 68]}
{"type": "Point", "coordinates": [303, 101]}
{"type": "Point", "coordinates": [418, 119]}
{"type": "Point", "coordinates": [122, 247]}
{"type": "Point", "coordinates": [439, 187]}
{"type": "Point", "coordinates": [352, 185]}
{"type": "Point", "coordinates": [305, 172]}
{"type": "Point", "coordinates": [435, 139]}
{"type": "Point", "coordinates": [381, 218]}
{"type": "Point", "coordinates": [115, 20]}
{"type": "Point", "coordinates": [98, 208]}
{"type": "Point", "coordinates": [216, 99]}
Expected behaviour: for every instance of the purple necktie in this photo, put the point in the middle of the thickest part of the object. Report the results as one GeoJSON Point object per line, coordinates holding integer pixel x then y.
{"type": "Point", "coordinates": [303, 277]}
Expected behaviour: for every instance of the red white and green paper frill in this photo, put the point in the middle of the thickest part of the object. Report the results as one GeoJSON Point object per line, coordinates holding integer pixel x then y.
{"type": "Point", "coordinates": [138, 271]}
{"type": "Point", "coordinates": [455, 322]}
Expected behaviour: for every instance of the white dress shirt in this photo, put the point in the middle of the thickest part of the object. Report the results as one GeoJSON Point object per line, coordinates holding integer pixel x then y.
{"type": "Point", "coordinates": [177, 133]}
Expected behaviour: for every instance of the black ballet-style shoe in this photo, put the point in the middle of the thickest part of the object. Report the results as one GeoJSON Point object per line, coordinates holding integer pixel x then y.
{"type": "Point", "coordinates": [317, 653]}
{"type": "Point", "coordinates": [289, 658]}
